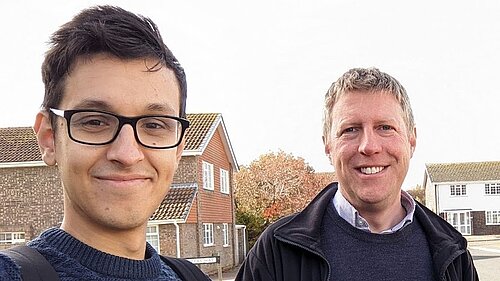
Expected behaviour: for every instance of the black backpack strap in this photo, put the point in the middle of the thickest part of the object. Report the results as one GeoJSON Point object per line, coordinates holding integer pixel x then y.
{"type": "Point", "coordinates": [185, 269]}
{"type": "Point", "coordinates": [34, 266]}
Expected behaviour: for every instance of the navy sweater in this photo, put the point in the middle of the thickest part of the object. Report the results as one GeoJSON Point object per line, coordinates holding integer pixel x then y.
{"type": "Point", "coordinates": [74, 260]}
{"type": "Point", "coordinates": [354, 254]}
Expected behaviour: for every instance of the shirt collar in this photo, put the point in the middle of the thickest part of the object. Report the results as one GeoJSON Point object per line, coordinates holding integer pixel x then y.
{"type": "Point", "coordinates": [351, 215]}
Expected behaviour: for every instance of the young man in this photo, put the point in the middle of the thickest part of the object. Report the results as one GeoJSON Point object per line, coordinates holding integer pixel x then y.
{"type": "Point", "coordinates": [112, 120]}
{"type": "Point", "coordinates": [365, 227]}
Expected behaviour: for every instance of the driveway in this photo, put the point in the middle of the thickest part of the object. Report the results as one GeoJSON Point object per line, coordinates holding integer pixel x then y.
{"type": "Point", "coordinates": [226, 276]}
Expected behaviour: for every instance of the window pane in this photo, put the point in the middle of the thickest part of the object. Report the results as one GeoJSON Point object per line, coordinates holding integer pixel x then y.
{"type": "Point", "coordinates": [208, 234]}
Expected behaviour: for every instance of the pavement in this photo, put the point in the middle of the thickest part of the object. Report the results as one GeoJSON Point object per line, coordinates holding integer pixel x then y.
{"type": "Point", "coordinates": [480, 238]}
{"type": "Point", "coordinates": [228, 275]}
{"type": "Point", "coordinates": [485, 252]}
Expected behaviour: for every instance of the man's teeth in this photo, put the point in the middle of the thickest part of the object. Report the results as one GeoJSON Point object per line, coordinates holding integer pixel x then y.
{"type": "Point", "coordinates": [371, 170]}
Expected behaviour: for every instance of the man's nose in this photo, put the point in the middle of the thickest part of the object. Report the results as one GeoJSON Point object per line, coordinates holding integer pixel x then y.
{"type": "Point", "coordinates": [125, 148]}
{"type": "Point", "coordinates": [369, 142]}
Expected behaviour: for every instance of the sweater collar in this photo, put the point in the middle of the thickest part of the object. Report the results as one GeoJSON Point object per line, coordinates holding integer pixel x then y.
{"type": "Point", "coordinates": [352, 216]}
{"type": "Point", "coordinates": [101, 262]}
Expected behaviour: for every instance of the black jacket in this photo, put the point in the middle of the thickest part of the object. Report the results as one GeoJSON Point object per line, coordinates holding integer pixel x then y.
{"type": "Point", "coordinates": [289, 249]}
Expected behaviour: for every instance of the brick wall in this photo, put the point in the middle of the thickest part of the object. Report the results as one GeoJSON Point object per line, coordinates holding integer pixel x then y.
{"type": "Point", "coordinates": [32, 199]}
{"type": "Point", "coordinates": [187, 170]}
{"type": "Point", "coordinates": [188, 235]}
{"type": "Point", "coordinates": [189, 248]}
{"type": "Point", "coordinates": [167, 240]}
{"type": "Point", "coordinates": [479, 226]}
{"type": "Point", "coordinates": [226, 253]}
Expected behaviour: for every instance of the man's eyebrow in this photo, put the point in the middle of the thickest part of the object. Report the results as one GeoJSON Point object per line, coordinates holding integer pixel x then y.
{"type": "Point", "coordinates": [93, 104]}
{"type": "Point", "coordinates": [163, 107]}
{"type": "Point", "coordinates": [346, 122]}
{"type": "Point", "coordinates": [105, 106]}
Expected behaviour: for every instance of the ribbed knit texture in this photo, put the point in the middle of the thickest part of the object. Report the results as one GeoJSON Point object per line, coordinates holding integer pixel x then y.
{"type": "Point", "coordinates": [74, 260]}
{"type": "Point", "coordinates": [355, 254]}
{"type": "Point", "coordinates": [8, 270]}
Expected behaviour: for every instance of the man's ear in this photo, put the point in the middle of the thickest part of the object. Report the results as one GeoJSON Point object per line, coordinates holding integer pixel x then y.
{"type": "Point", "coordinates": [413, 141]}
{"type": "Point", "coordinates": [45, 137]}
{"type": "Point", "coordinates": [327, 150]}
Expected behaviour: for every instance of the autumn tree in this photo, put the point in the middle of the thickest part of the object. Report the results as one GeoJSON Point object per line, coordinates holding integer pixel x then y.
{"type": "Point", "coordinates": [274, 185]}
{"type": "Point", "coordinates": [418, 193]}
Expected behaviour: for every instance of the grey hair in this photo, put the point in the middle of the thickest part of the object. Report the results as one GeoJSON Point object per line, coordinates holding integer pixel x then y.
{"type": "Point", "coordinates": [366, 80]}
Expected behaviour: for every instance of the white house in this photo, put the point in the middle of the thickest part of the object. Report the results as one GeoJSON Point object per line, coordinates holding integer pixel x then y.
{"type": "Point", "coordinates": [467, 195]}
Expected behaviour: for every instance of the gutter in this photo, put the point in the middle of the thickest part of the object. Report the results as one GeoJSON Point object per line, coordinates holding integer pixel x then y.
{"type": "Point", "coordinates": [177, 232]}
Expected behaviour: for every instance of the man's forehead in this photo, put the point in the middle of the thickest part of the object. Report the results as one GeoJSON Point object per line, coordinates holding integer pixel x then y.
{"type": "Point", "coordinates": [354, 106]}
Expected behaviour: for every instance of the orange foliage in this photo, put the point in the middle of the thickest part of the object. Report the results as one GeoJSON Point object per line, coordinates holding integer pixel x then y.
{"type": "Point", "coordinates": [275, 185]}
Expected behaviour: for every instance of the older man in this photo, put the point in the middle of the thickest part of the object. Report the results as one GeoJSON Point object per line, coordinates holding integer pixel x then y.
{"type": "Point", "coordinates": [365, 227]}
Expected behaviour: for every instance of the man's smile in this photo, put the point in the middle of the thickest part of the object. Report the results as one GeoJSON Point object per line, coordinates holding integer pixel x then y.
{"type": "Point", "coordinates": [372, 170]}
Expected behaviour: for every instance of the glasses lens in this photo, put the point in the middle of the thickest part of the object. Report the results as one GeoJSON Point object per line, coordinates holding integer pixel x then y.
{"type": "Point", "coordinates": [158, 131]}
{"type": "Point", "coordinates": [93, 127]}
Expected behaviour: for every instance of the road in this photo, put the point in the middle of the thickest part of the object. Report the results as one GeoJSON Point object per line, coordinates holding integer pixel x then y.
{"type": "Point", "coordinates": [486, 255]}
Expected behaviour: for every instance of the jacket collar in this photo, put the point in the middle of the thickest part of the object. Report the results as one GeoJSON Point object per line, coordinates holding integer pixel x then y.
{"type": "Point", "coordinates": [445, 242]}
{"type": "Point", "coordinates": [303, 228]}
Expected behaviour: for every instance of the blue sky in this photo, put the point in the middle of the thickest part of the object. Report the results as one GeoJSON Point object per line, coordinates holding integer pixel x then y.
{"type": "Point", "coordinates": [265, 65]}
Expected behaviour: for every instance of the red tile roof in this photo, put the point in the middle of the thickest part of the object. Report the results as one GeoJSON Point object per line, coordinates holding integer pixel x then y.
{"type": "Point", "coordinates": [18, 145]}
{"type": "Point", "coordinates": [464, 172]}
{"type": "Point", "coordinates": [177, 203]}
{"type": "Point", "coordinates": [201, 125]}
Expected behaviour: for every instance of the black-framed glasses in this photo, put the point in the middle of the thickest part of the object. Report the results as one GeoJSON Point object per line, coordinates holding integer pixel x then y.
{"type": "Point", "coordinates": [94, 127]}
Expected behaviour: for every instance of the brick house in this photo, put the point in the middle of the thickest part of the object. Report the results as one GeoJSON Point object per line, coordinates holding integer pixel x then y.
{"type": "Point", "coordinates": [200, 205]}
{"type": "Point", "coordinates": [31, 191]}
{"type": "Point", "coordinates": [196, 218]}
{"type": "Point", "coordinates": [467, 195]}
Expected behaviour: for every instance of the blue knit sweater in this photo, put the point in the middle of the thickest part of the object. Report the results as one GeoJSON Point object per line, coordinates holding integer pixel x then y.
{"type": "Point", "coordinates": [74, 260]}
{"type": "Point", "coordinates": [354, 254]}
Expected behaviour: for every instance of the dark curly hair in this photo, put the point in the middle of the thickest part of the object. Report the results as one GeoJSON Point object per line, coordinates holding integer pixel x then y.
{"type": "Point", "coordinates": [111, 30]}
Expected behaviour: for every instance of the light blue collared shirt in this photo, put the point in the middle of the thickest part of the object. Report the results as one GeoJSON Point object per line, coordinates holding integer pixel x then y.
{"type": "Point", "coordinates": [351, 215]}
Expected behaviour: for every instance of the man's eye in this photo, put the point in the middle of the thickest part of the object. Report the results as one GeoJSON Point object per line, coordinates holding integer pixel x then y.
{"type": "Point", "coordinates": [91, 122]}
{"type": "Point", "coordinates": [152, 125]}
{"type": "Point", "coordinates": [94, 123]}
{"type": "Point", "coordinates": [386, 127]}
{"type": "Point", "coordinates": [350, 130]}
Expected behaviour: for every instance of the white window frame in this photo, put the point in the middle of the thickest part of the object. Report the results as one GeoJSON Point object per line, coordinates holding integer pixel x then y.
{"type": "Point", "coordinates": [460, 220]}
{"type": "Point", "coordinates": [492, 217]}
{"type": "Point", "coordinates": [208, 234]}
{"type": "Point", "coordinates": [225, 235]}
{"type": "Point", "coordinates": [153, 236]}
{"type": "Point", "coordinates": [224, 181]}
{"type": "Point", "coordinates": [12, 237]}
{"type": "Point", "coordinates": [457, 190]}
{"type": "Point", "coordinates": [208, 175]}
{"type": "Point", "coordinates": [492, 188]}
